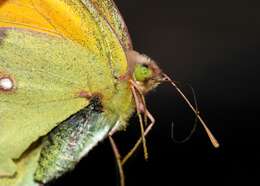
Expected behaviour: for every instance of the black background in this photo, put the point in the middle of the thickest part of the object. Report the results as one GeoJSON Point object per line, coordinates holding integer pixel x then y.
{"type": "Point", "coordinates": [214, 46]}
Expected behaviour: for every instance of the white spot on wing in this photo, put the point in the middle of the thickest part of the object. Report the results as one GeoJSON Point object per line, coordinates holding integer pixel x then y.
{"type": "Point", "coordinates": [6, 83]}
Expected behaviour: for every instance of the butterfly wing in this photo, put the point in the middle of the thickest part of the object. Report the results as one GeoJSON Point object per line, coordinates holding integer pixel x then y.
{"type": "Point", "coordinates": [49, 73]}
{"type": "Point", "coordinates": [26, 167]}
{"type": "Point", "coordinates": [109, 11]}
{"type": "Point", "coordinates": [49, 70]}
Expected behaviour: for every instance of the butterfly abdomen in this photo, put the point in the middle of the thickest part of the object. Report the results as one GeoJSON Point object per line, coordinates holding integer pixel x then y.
{"type": "Point", "coordinates": [71, 140]}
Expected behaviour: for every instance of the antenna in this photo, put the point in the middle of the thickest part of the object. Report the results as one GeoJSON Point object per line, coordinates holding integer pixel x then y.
{"type": "Point", "coordinates": [209, 133]}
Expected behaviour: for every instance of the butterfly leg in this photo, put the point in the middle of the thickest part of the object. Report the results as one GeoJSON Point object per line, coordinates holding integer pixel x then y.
{"type": "Point", "coordinates": [139, 141]}
{"type": "Point", "coordinates": [141, 108]}
{"type": "Point", "coordinates": [118, 160]}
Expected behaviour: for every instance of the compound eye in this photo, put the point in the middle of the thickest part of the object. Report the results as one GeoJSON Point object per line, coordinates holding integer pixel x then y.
{"type": "Point", "coordinates": [142, 72]}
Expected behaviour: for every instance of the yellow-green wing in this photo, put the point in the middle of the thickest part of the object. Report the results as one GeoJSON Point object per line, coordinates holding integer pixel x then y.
{"type": "Point", "coordinates": [26, 167]}
{"type": "Point", "coordinates": [43, 95]}
{"type": "Point", "coordinates": [49, 73]}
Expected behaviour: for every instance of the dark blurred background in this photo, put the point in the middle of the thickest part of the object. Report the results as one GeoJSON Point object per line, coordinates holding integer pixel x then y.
{"type": "Point", "coordinates": [215, 47]}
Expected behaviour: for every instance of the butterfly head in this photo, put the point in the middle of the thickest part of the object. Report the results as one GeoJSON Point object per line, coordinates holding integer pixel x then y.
{"type": "Point", "coordinates": [145, 71]}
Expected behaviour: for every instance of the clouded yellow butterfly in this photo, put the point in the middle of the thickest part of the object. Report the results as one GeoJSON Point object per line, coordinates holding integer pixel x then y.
{"type": "Point", "coordinates": [69, 77]}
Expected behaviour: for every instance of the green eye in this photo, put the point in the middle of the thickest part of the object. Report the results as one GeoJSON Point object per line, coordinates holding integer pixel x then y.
{"type": "Point", "coordinates": [142, 72]}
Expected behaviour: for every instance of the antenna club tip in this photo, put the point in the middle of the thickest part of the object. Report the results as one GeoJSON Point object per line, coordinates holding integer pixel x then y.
{"type": "Point", "coordinates": [213, 140]}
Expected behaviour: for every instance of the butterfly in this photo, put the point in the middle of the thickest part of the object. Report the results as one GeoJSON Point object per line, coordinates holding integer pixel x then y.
{"type": "Point", "coordinates": [69, 78]}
